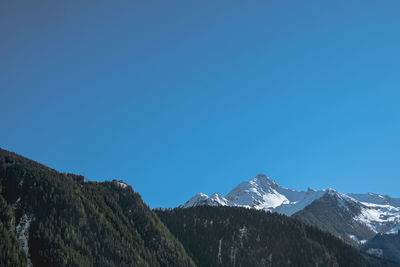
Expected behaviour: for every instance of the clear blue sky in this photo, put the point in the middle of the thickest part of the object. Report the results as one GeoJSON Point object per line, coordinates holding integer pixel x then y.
{"type": "Point", "coordinates": [177, 97]}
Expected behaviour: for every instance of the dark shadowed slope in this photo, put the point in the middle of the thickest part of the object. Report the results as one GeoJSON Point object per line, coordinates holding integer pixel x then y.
{"type": "Point", "coordinates": [335, 215]}
{"type": "Point", "coordinates": [386, 246]}
{"type": "Point", "coordinates": [234, 236]}
{"type": "Point", "coordinates": [61, 220]}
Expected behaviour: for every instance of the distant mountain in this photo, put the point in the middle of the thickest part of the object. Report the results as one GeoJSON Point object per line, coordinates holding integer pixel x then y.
{"type": "Point", "coordinates": [376, 199]}
{"type": "Point", "coordinates": [355, 218]}
{"type": "Point", "coordinates": [236, 236]}
{"type": "Point", "coordinates": [260, 193]}
{"type": "Point", "coordinates": [337, 213]}
{"type": "Point", "coordinates": [201, 199]}
{"type": "Point", "coordinates": [52, 219]}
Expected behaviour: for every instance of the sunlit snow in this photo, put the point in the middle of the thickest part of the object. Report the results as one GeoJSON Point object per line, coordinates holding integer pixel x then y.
{"type": "Point", "coordinates": [379, 213]}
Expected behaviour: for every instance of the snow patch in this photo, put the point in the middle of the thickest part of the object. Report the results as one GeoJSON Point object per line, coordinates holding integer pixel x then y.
{"type": "Point", "coordinates": [242, 232]}
{"type": "Point", "coordinates": [394, 230]}
{"type": "Point", "coordinates": [307, 199]}
{"type": "Point", "coordinates": [379, 218]}
{"type": "Point", "coordinates": [217, 198]}
{"type": "Point", "coordinates": [232, 256]}
{"type": "Point", "coordinates": [22, 231]}
{"type": "Point", "coordinates": [355, 238]}
{"type": "Point", "coordinates": [363, 241]}
{"type": "Point", "coordinates": [376, 199]}
{"type": "Point", "coordinates": [219, 251]}
{"type": "Point", "coordinates": [375, 251]}
{"type": "Point", "coordinates": [16, 205]}
{"type": "Point", "coordinates": [122, 184]}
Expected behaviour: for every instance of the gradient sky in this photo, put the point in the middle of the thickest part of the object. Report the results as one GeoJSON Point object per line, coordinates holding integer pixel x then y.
{"type": "Point", "coordinates": [177, 97]}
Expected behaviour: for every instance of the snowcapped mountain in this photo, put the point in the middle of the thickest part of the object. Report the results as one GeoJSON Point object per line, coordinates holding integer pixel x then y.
{"type": "Point", "coordinates": [337, 213]}
{"type": "Point", "coordinates": [354, 217]}
{"type": "Point", "coordinates": [260, 193]}
{"type": "Point", "coordinates": [376, 199]}
{"type": "Point", "coordinates": [380, 218]}
{"type": "Point", "coordinates": [202, 199]}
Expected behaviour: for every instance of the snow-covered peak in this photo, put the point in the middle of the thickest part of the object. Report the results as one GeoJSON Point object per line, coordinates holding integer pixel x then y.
{"type": "Point", "coordinates": [378, 212]}
{"type": "Point", "coordinates": [343, 200]}
{"type": "Point", "coordinates": [202, 199]}
{"type": "Point", "coordinates": [259, 193]}
{"type": "Point", "coordinates": [198, 199]}
{"type": "Point", "coordinates": [376, 199]}
{"type": "Point", "coordinates": [199, 196]}
{"type": "Point", "coordinates": [264, 180]}
{"type": "Point", "coordinates": [218, 198]}
{"type": "Point", "coordinates": [332, 192]}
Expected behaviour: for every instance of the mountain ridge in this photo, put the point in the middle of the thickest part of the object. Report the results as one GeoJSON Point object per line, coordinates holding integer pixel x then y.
{"type": "Point", "coordinates": [368, 214]}
{"type": "Point", "coordinates": [48, 218]}
{"type": "Point", "coordinates": [59, 219]}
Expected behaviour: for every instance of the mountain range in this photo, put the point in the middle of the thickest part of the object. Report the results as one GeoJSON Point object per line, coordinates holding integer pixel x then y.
{"type": "Point", "coordinates": [48, 218]}
{"type": "Point", "coordinates": [355, 218]}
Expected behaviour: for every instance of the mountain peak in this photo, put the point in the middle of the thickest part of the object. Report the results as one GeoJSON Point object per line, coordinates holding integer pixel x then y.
{"type": "Point", "coordinates": [202, 199]}
{"type": "Point", "coordinates": [264, 179]}
{"type": "Point", "coordinates": [372, 213]}
{"type": "Point", "coordinates": [331, 191]}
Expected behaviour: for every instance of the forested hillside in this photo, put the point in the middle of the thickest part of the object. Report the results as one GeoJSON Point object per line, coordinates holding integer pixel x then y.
{"type": "Point", "coordinates": [61, 220]}
{"type": "Point", "coordinates": [233, 236]}
{"type": "Point", "coordinates": [49, 218]}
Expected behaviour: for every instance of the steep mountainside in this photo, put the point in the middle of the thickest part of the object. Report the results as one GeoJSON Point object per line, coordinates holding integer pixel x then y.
{"type": "Point", "coordinates": [334, 213]}
{"type": "Point", "coordinates": [234, 236]}
{"type": "Point", "coordinates": [53, 219]}
{"type": "Point", "coordinates": [11, 252]}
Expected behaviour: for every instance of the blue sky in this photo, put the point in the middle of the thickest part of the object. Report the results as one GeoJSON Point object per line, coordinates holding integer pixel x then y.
{"type": "Point", "coordinates": [177, 97]}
